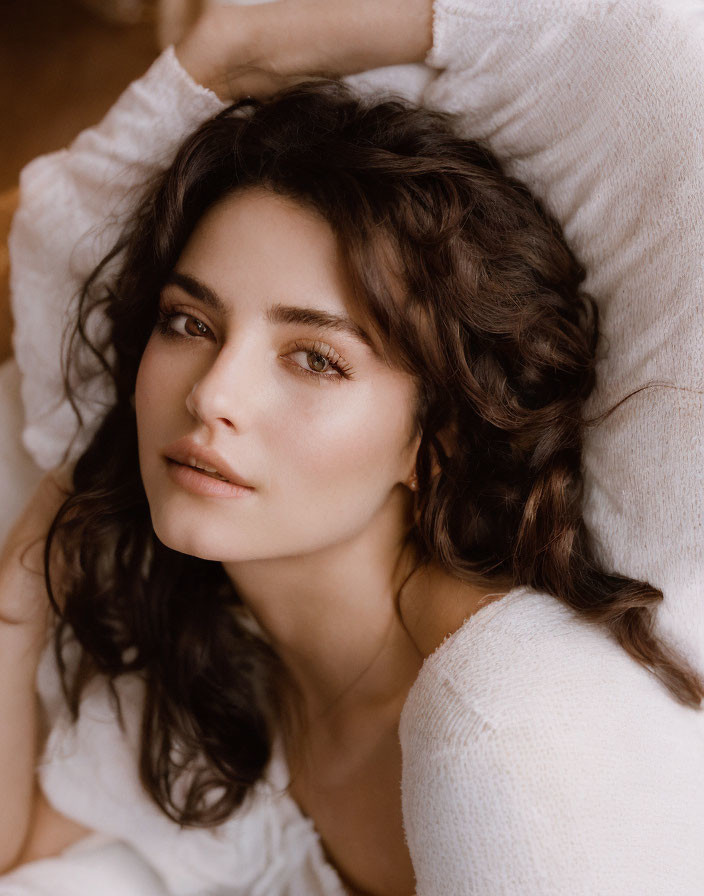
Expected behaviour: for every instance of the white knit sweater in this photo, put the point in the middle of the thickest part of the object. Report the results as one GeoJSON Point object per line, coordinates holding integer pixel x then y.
{"type": "Point", "coordinates": [538, 757]}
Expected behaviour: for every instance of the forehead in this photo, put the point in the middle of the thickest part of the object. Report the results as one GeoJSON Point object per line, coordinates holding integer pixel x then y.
{"type": "Point", "coordinates": [260, 248]}
{"type": "Point", "coordinates": [255, 236]}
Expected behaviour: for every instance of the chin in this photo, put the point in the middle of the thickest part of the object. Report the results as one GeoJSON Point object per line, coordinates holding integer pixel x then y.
{"type": "Point", "coordinates": [182, 538]}
{"type": "Point", "coordinates": [193, 539]}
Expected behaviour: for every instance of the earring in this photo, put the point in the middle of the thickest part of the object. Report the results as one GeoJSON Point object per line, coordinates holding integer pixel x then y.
{"type": "Point", "coordinates": [413, 484]}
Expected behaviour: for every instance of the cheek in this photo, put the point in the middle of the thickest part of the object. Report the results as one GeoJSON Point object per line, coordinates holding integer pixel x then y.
{"type": "Point", "coordinates": [157, 388]}
{"type": "Point", "coordinates": [146, 386]}
{"type": "Point", "coordinates": [354, 444]}
{"type": "Point", "coordinates": [162, 373]}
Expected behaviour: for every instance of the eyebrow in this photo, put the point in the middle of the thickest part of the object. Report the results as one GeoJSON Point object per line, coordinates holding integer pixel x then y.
{"type": "Point", "coordinates": [277, 313]}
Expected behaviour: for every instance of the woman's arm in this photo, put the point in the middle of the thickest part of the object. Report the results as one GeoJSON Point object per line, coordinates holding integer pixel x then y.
{"type": "Point", "coordinates": [29, 828]}
{"type": "Point", "coordinates": [20, 648]}
{"type": "Point", "coordinates": [299, 38]}
{"type": "Point", "coordinates": [50, 832]}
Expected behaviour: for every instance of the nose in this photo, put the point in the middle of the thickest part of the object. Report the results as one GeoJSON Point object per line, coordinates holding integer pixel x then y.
{"type": "Point", "coordinates": [222, 394]}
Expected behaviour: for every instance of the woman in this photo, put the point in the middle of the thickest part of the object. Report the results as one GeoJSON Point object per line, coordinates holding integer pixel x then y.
{"type": "Point", "coordinates": [466, 721]}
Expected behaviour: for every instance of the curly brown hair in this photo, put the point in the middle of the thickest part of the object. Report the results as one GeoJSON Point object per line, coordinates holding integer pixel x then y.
{"type": "Point", "coordinates": [470, 286]}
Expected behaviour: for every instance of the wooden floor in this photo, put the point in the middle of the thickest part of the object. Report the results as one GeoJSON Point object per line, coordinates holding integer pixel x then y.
{"type": "Point", "coordinates": [61, 68]}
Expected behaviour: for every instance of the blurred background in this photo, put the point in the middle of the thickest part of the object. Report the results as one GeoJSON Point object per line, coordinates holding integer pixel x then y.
{"type": "Point", "coordinates": [62, 64]}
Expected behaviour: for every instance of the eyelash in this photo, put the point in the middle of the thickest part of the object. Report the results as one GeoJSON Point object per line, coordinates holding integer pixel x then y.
{"type": "Point", "coordinates": [317, 348]}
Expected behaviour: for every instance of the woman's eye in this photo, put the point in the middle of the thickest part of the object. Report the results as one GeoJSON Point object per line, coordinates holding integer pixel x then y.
{"type": "Point", "coordinates": [320, 361]}
{"type": "Point", "coordinates": [167, 328]}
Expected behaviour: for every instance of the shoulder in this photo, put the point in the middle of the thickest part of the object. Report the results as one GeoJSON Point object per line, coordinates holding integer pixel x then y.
{"type": "Point", "coordinates": [434, 605]}
{"type": "Point", "coordinates": [527, 671]}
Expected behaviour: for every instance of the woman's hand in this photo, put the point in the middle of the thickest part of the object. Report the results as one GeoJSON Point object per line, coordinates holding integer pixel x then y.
{"type": "Point", "coordinates": [258, 49]}
{"type": "Point", "coordinates": [222, 52]}
{"type": "Point", "coordinates": [23, 594]}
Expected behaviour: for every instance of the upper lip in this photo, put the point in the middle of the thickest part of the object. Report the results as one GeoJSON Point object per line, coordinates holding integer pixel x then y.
{"type": "Point", "coordinates": [186, 449]}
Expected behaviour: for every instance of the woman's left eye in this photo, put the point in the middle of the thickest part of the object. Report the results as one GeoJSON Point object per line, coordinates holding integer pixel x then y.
{"type": "Point", "coordinates": [318, 359]}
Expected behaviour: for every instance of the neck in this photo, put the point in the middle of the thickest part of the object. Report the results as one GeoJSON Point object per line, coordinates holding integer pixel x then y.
{"type": "Point", "coordinates": [332, 616]}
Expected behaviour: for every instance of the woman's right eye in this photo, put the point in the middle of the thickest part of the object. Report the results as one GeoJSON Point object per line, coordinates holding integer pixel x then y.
{"type": "Point", "coordinates": [164, 323]}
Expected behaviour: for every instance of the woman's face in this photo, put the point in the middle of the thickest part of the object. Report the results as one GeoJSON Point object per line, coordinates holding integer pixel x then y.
{"type": "Point", "coordinates": [308, 415]}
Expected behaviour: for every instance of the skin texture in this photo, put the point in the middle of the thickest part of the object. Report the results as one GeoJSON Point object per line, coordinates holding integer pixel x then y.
{"type": "Point", "coordinates": [314, 550]}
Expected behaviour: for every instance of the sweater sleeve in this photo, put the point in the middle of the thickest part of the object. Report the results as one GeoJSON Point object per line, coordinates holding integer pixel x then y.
{"type": "Point", "coordinates": [489, 825]}
{"type": "Point", "coordinates": [72, 208]}
{"type": "Point", "coordinates": [524, 768]}
{"type": "Point", "coordinates": [598, 106]}
{"type": "Point", "coordinates": [541, 812]}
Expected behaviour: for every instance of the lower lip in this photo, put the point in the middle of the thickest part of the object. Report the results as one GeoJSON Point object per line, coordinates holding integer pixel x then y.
{"type": "Point", "coordinates": [200, 484]}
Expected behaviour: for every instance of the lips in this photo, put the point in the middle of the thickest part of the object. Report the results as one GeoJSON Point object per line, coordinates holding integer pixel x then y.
{"type": "Point", "coordinates": [193, 480]}
{"type": "Point", "coordinates": [206, 471]}
{"type": "Point", "coordinates": [190, 453]}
